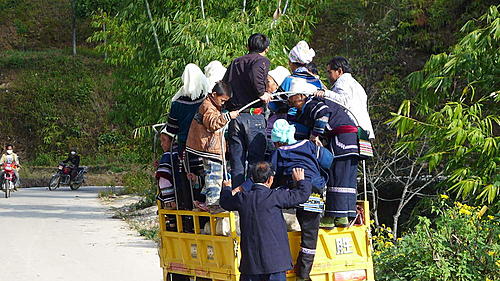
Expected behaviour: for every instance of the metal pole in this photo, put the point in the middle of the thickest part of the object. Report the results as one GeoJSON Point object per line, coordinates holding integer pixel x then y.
{"type": "Point", "coordinates": [223, 147]}
{"type": "Point", "coordinates": [364, 180]}
{"type": "Point", "coordinates": [188, 170]}
{"type": "Point", "coordinates": [173, 173]}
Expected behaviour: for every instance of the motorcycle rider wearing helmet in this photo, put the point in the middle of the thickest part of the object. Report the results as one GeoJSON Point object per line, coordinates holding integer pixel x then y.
{"type": "Point", "coordinates": [10, 157]}
{"type": "Point", "coordinates": [74, 161]}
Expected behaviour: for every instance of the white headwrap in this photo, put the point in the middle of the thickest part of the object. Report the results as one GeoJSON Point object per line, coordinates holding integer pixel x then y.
{"type": "Point", "coordinates": [214, 71]}
{"type": "Point", "coordinates": [195, 83]}
{"type": "Point", "coordinates": [279, 74]}
{"type": "Point", "coordinates": [300, 86]}
{"type": "Point", "coordinates": [301, 53]}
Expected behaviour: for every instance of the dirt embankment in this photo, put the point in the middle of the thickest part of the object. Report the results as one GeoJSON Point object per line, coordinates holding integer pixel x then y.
{"type": "Point", "coordinates": [96, 176]}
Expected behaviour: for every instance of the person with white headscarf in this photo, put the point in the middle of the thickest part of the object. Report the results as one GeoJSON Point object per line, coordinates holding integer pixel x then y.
{"type": "Point", "coordinates": [298, 59]}
{"type": "Point", "coordinates": [275, 78]}
{"type": "Point", "coordinates": [214, 71]}
{"type": "Point", "coordinates": [184, 106]}
{"type": "Point", "coordinates": [185, 103]}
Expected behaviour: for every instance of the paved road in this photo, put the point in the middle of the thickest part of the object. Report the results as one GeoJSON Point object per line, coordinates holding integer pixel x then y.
{"type": "Point", "coordinates": [68, 235]}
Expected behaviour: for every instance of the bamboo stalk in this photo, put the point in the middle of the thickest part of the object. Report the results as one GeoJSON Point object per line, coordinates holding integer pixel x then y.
{"type": "Point", "coordinates": [154, 28]}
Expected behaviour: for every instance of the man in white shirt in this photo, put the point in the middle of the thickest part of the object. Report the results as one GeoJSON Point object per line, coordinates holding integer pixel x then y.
{"type": "Point", "coordinates": [348, 92]}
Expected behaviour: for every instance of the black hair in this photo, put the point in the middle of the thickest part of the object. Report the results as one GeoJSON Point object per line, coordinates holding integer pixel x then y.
{"type": "Point", "coordinates": [298, 64]}
{"type": "Point", "coordinates": [261, 172]}
{"type": "Point", "coordinates": [7, 145]}
{"type": "Point", "coordinates": [313, 68]}
{"type": "Point", "coordinates": [221, 88]}
{"type": "Point", "coordinates": [257, 43]}
{"type": "Point", "coordinates": [340, 62]}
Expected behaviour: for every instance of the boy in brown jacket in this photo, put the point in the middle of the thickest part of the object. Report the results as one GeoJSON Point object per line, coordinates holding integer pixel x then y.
{"type": "Point", "coordinates": [205, 140]}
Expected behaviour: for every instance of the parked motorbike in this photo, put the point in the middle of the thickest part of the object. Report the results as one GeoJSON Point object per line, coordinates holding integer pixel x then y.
{"type": "Point", "coordinates": [63, 177]}
{"type": "Point", "coordinates": [9, 178]}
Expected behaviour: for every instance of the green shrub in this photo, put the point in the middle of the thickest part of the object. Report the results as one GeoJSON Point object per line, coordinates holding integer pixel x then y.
{"type": "Point", "coordinates": [45, 159]}
{"type": "Point", "coordinates": [460, 244]}
{"type": "Point", "coordinates": [139, 182]}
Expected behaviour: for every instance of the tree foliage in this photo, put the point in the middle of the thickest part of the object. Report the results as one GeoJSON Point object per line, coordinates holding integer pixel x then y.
{"type": "Point", "coordinates": [455, 113]}
{"type": "Point", "coordinates": [151, 78]}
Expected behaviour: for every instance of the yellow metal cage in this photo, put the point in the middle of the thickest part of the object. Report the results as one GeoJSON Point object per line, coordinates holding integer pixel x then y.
{"type": "Point", "coordinates": [342, 254]}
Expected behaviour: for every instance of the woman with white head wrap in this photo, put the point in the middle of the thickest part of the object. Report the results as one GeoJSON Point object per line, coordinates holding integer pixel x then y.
{"type": "Point", "coordinates": [298, 58]}
{"type": "Point", "coordinates": [185, 103]}
{"type": "Point", "coordinates": [301, 54]}
{"type": "Point", "coordinates": [214, 71]}
{"type": "Point", "coordinates": [275, 78]}
{"type": "Point", "coordinates": [184, 106]}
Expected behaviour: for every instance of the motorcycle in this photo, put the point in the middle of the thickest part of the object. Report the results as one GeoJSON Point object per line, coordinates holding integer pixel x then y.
{"type": "Point", "coordinates": [63, 177]}
{"type": "Point", "coordinates": [9, 178]}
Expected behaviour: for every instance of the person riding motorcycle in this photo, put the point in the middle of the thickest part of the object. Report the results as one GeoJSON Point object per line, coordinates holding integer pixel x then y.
{"type": "Point", "coordinates": [11, 158]}
{"type": "Point", "coordinates": [74, 162]}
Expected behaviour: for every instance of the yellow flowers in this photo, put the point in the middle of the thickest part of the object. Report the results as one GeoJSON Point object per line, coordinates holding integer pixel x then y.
{"type": "Point", "coordinates": [491, 217]}
{"type": "Point", "coordinates": [497, 263]}
{"type": "Point", "coordinates": [444, 196]}
{"type": "Point", "coordinates": [465, 212]}
{"type": "Point", "coordinates": [491, 253]}
{"type": "Point", "coordinates": [388, 244]}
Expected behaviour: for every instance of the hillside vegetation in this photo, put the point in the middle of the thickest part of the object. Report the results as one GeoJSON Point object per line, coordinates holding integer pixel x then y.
{"type": "Point", "coordinates": [430, 69]}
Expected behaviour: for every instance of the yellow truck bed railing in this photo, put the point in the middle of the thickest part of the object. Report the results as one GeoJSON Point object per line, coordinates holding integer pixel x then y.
{"type": "Point", "coordinates": [342, 254]}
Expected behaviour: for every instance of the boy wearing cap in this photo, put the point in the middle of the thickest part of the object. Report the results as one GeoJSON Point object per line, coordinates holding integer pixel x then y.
{"type": "Point", "coordinates": [291, 154]}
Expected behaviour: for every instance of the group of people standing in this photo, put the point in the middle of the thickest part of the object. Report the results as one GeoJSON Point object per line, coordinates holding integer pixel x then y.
{"type": "Point", "coordinates": [296, 142]}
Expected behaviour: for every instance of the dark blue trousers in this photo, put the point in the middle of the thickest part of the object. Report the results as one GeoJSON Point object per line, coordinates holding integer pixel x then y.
{"type": "Point", "coordinates": [341, 190]}
{"type": "Point", "coordinates": [277, 276]}
{"type": "Point", "coordinates": [247, 143]}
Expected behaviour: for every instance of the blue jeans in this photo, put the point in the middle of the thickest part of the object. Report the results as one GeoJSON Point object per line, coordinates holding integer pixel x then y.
{"type": "Point", "coordinates": [213, 181]}
{"type": "Point", "coordinates": [247, 143]}
{"type": "Point", "coordinates": [277, 276]}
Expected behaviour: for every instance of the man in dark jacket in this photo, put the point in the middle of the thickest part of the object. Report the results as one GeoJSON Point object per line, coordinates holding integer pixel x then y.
{"type": "Point", "coordinates": [247, 76]}
{"type": "Point", "coordinates": [264, 239]}
{"type": "Point", "coordinates": [74, 161]}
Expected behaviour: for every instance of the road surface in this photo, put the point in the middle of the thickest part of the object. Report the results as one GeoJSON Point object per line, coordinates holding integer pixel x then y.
{"type": "Point", "coordinates": [69, 235]}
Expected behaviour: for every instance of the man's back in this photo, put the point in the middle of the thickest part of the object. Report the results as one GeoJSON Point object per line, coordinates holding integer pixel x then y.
{"type": "Point", "coordinates": [264, 238]}
{"type": "Point", "coordinates": [247, 76]}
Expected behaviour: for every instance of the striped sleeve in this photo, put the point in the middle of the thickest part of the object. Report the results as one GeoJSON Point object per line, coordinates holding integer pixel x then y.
{"type": "Point", "coordinates": [320, 114]}
{"type": "Point", "coordinates": [172, 123]}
